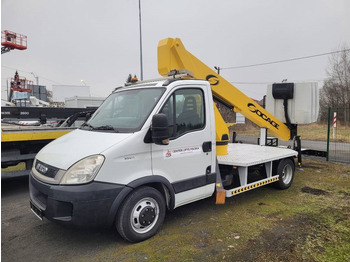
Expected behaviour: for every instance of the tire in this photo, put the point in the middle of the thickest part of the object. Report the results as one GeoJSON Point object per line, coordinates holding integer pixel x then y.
{"type": "Point", "coordinates": [141, 215]}
{"type": "Point", "coordinates": [285, 171]}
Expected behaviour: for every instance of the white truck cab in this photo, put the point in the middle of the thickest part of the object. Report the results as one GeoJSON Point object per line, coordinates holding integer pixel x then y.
{"type": "Point", "coordinates": [113, 169]}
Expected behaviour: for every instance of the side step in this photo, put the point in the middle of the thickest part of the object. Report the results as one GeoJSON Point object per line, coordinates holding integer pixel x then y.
{"type": "Point", "coordinates": [238, 190]}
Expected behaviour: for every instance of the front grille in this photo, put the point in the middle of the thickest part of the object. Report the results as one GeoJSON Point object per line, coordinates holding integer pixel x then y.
{"type": "Point", "coordinates": [46, 170]}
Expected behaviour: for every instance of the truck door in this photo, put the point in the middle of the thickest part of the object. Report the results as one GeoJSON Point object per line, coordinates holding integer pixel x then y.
{"type": "Point", "coordinates": [187, 161]}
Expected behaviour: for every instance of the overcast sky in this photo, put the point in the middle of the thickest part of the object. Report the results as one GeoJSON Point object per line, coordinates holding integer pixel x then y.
{"type": "Point", "coordinates": [98, 41]}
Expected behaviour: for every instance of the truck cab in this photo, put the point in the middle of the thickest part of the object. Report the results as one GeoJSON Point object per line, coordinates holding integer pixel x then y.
{"type": "Point", "coordinates": [149, 147]}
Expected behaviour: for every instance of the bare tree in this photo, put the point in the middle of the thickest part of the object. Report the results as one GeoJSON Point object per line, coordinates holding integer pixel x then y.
{"type": "Point", "coordinates": [336, 89]}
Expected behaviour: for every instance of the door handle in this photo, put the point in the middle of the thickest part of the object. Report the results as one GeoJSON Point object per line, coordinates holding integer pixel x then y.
{"type": "Point", "coordinates": [206, 146]}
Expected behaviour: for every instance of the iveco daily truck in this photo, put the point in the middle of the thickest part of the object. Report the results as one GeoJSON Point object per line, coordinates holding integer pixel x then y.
{"type": "Point", "coordinates": [155, 145]}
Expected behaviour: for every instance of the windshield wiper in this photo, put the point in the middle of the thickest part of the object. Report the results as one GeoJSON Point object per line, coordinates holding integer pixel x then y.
{"type": "Point", "coordinates": [106, 127]}
{"type": "Point", "coordinates": [88, 125]}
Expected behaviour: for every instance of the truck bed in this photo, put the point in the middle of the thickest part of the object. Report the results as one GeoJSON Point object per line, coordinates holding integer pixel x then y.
{"type": "Point", "coordinates": [246, 155]}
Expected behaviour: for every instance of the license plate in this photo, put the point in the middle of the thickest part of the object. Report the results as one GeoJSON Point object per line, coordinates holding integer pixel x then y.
{"type": "Point", "coordinates": [37, 211]}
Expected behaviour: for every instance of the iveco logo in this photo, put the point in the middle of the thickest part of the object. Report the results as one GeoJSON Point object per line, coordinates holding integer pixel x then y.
{"type": "Point", "coordinates": [42, 169]}
{"type": "Point", "coordinates": [253, 109]}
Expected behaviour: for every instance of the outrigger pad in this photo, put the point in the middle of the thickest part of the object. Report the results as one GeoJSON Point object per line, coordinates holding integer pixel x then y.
{"type": "Point", "coordinates": [220, 196]}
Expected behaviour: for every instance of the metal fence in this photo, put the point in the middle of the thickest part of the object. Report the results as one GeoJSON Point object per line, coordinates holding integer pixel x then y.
{"type": "Point", "coordinates": [338, 135]}
{"type": "Point", "coordinates": [321, 139]}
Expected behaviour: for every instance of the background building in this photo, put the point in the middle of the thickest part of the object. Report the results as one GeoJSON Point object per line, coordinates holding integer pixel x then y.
{"type": "Point", "coordinates": [61, 92]}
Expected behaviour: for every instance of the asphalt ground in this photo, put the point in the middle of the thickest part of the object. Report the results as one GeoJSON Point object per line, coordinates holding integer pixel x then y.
{"type": "Point", "coordinates": [25, 238]}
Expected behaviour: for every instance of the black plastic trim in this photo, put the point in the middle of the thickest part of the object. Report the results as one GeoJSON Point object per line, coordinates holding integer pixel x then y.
{"type": "Point", "coordinates": [207, 146]}
{"type": "Point", "coordinates": [51, 171]}
{"type": "Point", "coordinates": [221, 143]}
{"type": "Point", "coordinates": [211, 178]}
{"type": "Point", "coordinates": [224, 137]}
{"type": "Point", "coordinates": [156, 179]}
{"type": "Point", "coordinates": [193, 183]}
{"type": "Point", "coordinates": [116, 204]}
{"type": "Point", "coordinates": [85, 205]}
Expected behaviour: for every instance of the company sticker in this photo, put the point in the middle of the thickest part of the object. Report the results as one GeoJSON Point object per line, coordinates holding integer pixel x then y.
{"type": "Point", "coordinates": [181, 152]}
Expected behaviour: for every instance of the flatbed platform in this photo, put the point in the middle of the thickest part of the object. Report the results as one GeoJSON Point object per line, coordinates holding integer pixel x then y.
{"type": "Point", "coordinates": [246, 155]}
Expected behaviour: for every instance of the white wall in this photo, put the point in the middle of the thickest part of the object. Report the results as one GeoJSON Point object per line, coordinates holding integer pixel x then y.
{"type": "Point", "coordinates": [83, 102]}
{"type": "Point", "coordinates": [61, 92]}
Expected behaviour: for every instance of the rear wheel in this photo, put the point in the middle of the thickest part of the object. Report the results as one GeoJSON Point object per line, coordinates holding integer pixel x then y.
{"type": "Point", "coordinates": [285, 171]}
{"type": "Point", "coordinates": [141, 214]}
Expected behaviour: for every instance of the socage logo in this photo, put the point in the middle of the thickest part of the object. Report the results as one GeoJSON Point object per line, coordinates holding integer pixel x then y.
{"type": "Point", "coordinates": [212, 79]}
{"type": "Point", "coordinates": [42, 169]}
{"type": "Point", "coordinates": [253, 109]}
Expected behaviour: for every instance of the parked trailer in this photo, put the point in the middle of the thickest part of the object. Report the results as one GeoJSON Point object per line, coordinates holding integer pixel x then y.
{"type": "Point", "coordinates": [20, 143]}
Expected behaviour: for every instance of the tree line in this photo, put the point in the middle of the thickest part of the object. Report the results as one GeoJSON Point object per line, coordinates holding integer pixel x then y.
{"type": "Point", "coordinates": [335, 93]}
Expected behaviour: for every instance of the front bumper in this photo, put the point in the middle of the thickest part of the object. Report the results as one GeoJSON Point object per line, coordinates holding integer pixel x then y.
{"type": "Point", "coordinates": [77, 205]}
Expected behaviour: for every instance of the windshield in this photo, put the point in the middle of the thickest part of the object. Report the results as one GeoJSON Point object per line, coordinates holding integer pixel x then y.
{"type": "Point", "coordinates": [125, 111]}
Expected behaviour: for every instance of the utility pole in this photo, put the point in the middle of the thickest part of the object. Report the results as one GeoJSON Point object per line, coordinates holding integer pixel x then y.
{"type": "Point", "coordinates": [141, 66]}
{"type": "Point", "coordinates": [217, 68]}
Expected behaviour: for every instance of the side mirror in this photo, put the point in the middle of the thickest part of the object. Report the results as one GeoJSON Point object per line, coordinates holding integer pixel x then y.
{"type": "Point", "coordinates": [160, 129]}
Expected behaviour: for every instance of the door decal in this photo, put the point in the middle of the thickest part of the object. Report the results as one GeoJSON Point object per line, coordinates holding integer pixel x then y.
{"type": "Point", "coordinates": [181, 152]}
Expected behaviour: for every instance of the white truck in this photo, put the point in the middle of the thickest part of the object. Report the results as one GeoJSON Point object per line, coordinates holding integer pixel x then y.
{"type": "Point", "coordinates": [151, 147]}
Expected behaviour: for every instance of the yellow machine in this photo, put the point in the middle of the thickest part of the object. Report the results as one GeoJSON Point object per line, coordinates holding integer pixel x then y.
{"type": "Point", "coordinates": [20, 143]}
{"type": "Point", "coordinates": [173, 55]}
{"type": "Point", "coordinates": [13, 133]}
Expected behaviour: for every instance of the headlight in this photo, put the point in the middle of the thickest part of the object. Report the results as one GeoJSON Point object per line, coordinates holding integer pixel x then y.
{"type": "Point", "coordinates": [83, 171]}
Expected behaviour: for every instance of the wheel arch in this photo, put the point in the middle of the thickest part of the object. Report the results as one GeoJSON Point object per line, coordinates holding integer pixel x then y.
{"type": "Point", "coordinates": [276, 162]}
{"type": "Point", "coordinates": [281, 184]}
{"type": "Point", "coordinates": [158, 182]}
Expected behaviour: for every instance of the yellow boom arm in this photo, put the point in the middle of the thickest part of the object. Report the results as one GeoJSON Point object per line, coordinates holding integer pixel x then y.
{"type": "Point", "coordinates": [173, 55]}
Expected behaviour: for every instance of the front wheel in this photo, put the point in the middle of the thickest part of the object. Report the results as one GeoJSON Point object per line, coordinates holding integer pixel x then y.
{"type": "Point", "coordinates": [141, 214]}
{"type": "Point", "coordinates": [285, 171]}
